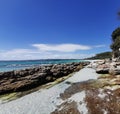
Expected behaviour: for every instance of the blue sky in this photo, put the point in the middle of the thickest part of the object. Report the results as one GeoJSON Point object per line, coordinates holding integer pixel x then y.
{"type": "Point", "coordinates": [41, 29]}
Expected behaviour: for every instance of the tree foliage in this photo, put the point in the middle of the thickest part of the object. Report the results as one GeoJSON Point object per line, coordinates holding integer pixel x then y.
{"type": "Point", "coordinates": [103, 55]}
{"type": "Point", "coordinates": [115, 46]}
{"type": "Point", "coordinates": [115, 34]}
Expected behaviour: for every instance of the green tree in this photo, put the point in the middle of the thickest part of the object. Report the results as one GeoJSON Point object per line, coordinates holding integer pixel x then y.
{"type": "Point", "coordinates": [115, 46]}
{"type": "Point", "coordinates": [115, 34]}
{"type": "Point", "coordinates": [104, 55]}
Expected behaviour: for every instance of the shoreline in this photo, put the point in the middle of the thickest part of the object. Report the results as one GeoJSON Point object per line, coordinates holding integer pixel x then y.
{"type": "Point", "coordinates": [11, 65]}
{"type": "Point", "coordinates": [22, 80]}
{"type": "Point", "coordinates": [45, 100]}
{"type": "Point", "coordinates": [76, 94]}
{"type": "Point", "coordinates": [16, 95]}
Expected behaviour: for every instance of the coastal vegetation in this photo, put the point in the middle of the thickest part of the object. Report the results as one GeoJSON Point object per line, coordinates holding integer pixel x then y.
{"type": "Point", "coordinates": [115, 46]}
{"type": "Point", "coordinates": [103, 55]}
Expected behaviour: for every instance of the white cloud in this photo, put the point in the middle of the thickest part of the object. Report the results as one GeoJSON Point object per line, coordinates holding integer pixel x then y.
{"type": "Point", "coordinates": [99, 46]}
{"type": "Point", "coordinates": [14, 55]}
{"type": "Point", "coordinates": [61, 47]}
{"type": "Point", "coordinates": [46, 51]}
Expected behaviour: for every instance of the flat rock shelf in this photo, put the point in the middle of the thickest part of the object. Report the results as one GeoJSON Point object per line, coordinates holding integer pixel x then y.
{"type": "Point", "coordinates": [22, 80]}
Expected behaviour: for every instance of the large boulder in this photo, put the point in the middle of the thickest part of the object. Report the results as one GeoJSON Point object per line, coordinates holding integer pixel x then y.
{"type": "Point", "coordinates": [114, 70]}
{"type": "Point", "coordinates": [95, 63]}
{"type": "Point", "coordinates": [103, 69]}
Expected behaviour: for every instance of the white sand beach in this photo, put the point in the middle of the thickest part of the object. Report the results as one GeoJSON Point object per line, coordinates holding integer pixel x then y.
{"type": "Point", "coordinates": [45, 101]}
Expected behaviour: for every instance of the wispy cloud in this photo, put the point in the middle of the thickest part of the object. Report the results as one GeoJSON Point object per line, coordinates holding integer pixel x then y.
{"type": "Point", "coordinates": [47, 51]}
{"type": "Point", "coordinates": [99, 46]}
{"type": "Point", "coordinates": [14, 55]}
{"type": "Point", "coordinates": [61, 47]}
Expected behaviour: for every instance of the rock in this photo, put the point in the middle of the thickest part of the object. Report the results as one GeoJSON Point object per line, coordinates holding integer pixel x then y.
{"type": "Point", "coordinates": [114, 71]}
{"type": "Point", "coordinates": [118, 63]}
{"type": "Point", "coordinates": [21, 80]}
{"type": "Point", "coordinates": [103, 69]}
{"type": "Point", "coordinates": [93, 65]}
{"type": "Point", "coordinates": [49, 78]}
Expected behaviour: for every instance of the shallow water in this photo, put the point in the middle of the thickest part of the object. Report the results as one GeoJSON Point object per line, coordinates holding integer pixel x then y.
{"type": "Point", "coordinates": [16, 65]}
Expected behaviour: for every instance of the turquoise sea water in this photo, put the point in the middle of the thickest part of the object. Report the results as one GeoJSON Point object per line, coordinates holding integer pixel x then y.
{"type": "Point", "coordinates": [16, 65]}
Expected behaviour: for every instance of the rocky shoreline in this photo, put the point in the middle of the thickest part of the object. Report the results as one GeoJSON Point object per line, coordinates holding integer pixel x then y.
{"type": "Point", "coordinates": [22, 80]}
{"type": "Point", "coordinates": [98, 94]}
{"type": "Point", "coordinates": [106, 66]}
{"type": "Point", "coordinates": [46, 101]}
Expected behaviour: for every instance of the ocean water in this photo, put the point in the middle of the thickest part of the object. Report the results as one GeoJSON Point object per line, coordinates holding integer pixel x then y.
{"type": "Point", "coordinates": [17, 65]}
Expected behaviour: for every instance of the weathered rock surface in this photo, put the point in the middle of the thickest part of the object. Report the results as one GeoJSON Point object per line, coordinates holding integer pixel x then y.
{"type": "Point", "coordinates": [103, 69]}
{"type": "Point", "coordinates": [114, 70]}
{"type": "Point", "coordinates": [29, 78]}
{"type": "Point", "coordinates": [100, 96]}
